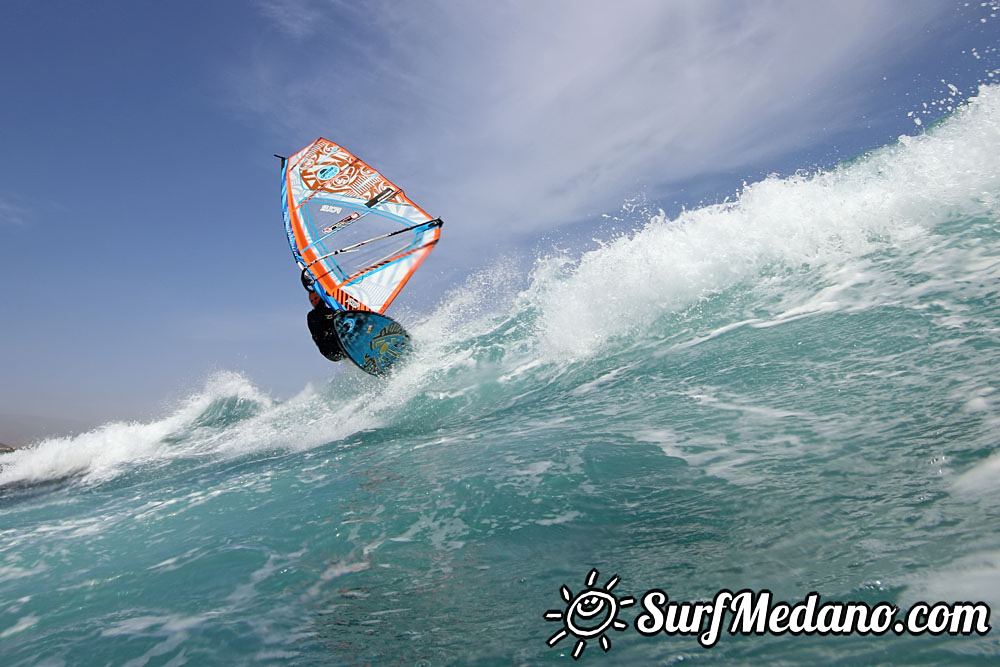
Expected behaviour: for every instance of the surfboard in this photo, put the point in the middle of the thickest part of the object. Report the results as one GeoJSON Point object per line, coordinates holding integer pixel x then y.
{"type": "Point", "coordinates": [372, 341]}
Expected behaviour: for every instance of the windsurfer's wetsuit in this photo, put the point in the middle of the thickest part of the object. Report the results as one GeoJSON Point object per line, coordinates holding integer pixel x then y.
{"type": "Point", "coordinates": [320, 320]}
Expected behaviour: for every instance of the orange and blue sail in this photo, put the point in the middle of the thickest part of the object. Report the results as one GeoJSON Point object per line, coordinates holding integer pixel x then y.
{"type": "Point", "coordinates": [357, 237]}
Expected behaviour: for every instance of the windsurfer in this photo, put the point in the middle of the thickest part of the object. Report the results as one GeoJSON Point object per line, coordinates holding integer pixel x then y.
{"type": "Point", "coordinates": [320, 321]}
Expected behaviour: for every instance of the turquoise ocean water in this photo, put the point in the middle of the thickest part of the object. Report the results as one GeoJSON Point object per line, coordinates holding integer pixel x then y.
{"type": "Point", "coordinates": [794, 391]}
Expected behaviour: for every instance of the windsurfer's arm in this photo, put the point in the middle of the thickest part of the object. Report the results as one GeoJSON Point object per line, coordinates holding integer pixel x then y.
{"type": "Point", "coordinates": [324, 335]}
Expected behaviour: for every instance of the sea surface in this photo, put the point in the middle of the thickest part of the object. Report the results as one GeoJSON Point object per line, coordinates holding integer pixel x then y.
{"type": "Point", "coordinates": [796, 391]}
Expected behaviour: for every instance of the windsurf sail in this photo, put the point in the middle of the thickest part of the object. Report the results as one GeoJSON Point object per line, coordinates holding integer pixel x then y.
{"type": "Point", "coordinates": [356, 236]}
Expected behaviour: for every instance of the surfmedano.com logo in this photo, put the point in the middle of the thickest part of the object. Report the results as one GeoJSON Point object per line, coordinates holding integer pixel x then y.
{"type": "Point", "coordinates": [593, 611]}
{"type": "Point", "coordinates": [589, 614]}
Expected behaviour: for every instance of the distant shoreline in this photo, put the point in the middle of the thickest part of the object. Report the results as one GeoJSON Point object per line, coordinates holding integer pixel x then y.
{"type": "Point", "coordinates": [18, 430]}
{"type": "Point", "coordinates": [4, 449]}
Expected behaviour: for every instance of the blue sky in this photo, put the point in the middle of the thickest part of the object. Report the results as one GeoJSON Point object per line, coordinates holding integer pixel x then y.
{"type": "Point", "coordinates": [141, 246]}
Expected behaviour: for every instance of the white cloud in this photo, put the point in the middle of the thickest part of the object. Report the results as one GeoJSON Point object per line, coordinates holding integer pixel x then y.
{"type": "Point", "coordinates": [537, 114]}
{"type": "Point", "coordinates": [12, 214]}
{"type": "Point", "coordinates": [296, 18]}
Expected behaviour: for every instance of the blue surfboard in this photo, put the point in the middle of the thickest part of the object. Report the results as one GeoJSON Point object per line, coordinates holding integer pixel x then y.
{"type": "Point", "coordinates": [374, 342]}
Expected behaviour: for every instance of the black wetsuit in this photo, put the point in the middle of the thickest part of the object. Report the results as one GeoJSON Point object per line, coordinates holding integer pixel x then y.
{"type": "Point", "coordinates": [320, 321]}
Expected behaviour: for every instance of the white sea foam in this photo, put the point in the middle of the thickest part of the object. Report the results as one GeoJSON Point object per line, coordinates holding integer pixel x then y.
{"type": "Point", "coordinates": [22, 624]}
{"type": "Point", "coordinates": [896, 194]}
{"type": "Point", "coordinates": [975, 577]}
{"type": "Point", "coordinates": [99, 454]}
{"type": "Point", "coordinates": [982, 478]}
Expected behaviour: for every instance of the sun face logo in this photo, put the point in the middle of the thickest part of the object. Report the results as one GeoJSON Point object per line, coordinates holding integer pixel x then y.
{"type": "Point", "coordinates": [589, 614]}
